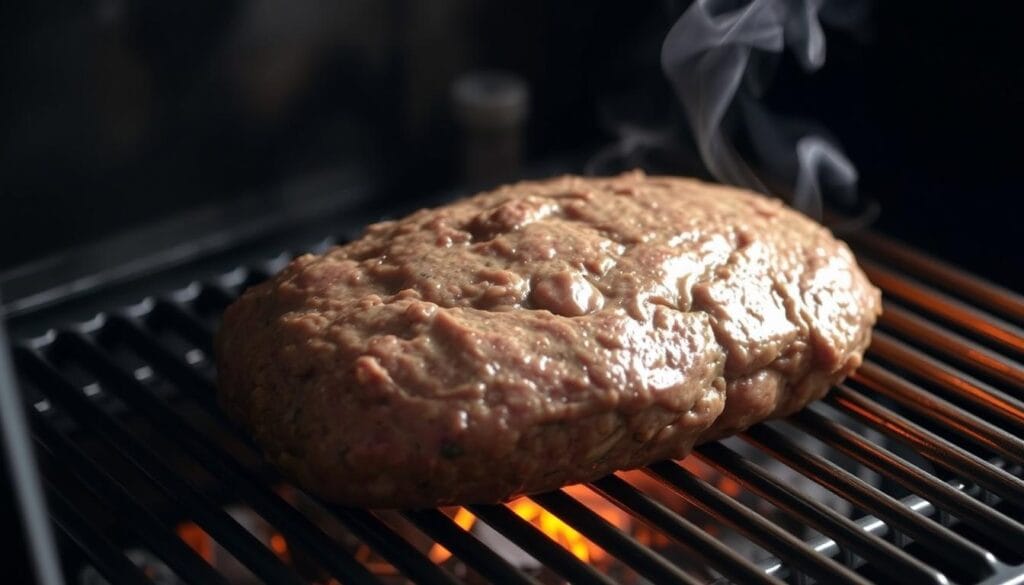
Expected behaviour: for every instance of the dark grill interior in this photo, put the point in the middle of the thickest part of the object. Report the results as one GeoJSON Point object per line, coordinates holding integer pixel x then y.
{"type": "Point", "coordinates": [143, 474]}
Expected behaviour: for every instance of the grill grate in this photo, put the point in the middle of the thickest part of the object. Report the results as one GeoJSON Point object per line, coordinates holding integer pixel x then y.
{"type": "Point", "coordinates": [132, 444]}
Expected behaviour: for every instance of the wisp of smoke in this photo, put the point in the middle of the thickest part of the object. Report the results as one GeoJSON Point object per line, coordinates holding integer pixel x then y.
{"type": "Point", "coordinates": [710, 57]}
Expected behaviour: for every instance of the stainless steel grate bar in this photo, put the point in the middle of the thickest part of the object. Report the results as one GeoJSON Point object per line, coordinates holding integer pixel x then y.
{"type": "Point", "coordinates": [929, 445]}
{"type": "Point", "coordinates": [894, 513]}
{"type": "Point", "coordinates": [784, 545]}
{"type": "Point", "coordinates": [989, 327]}
{"type": "Point", "coordinates": [928, 405]}
{"type": "Point", "coordinates": [646, 562]}
{"type": "Point", "coordinates": [953, 346]}
{"type": "Point", "coordinates": [844, 531]}
{"type": "Point", "coordinates": [986, 294]}
{"type": "Point", "coordinates": [981, 517]}
{"type": "Point", "coordinates": [698, 542]}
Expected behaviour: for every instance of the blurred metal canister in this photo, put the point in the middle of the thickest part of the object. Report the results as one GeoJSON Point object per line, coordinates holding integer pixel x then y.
{"type": "Point", "coordinates": [491, 108]}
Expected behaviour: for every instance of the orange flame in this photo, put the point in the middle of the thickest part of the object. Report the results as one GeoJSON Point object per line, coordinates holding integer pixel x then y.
{"type": "Point", "coordinates": [555, 528]}
{"type": "Point", "coordinates": [196, 539]}
{"type": "Point", "coordinates": [280, 547]}
{"type": "Point", "coordinates": [202, 543]}
{"type": "Point", "coordinates": [376, 566]}
{"type": "Point", "coordinates": [465, 519]}
{"type": "Point", "coordinates": [551, 525]}
{"type": "Point", "coordinates": [567, 536]}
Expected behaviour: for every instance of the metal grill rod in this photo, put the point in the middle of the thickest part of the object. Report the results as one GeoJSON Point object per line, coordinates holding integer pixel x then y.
{"type": "Point", "coordinates": [893, 512]}
{"type": "Point", "coordinates": [644, 560]}
{"type": "Point", "coordinates": [185, 322]}
{"type": "Point", "coordinates": [756, 527]}
{"type": "Point", "coordinates": [696, 541]}
{"type": "Point", "coordinates": [243, 545]}
{"type": "Point", "coordinates": [989, 327]}
{"type": "Point", "coordinates": [872, 549]}
{"type": "Point", "coordinates": [986, 520]}
{"type": "Point", "coordinates": [929, 445]}
{"type": "Point", "coordinates": [979, 290]}
{"type": "Point", "coordinates": [191, 382]}
{"type": "Point", "coordinates": [538, 545]}
{"type": "Point", "coordinates": [826, 545]}
{"type": "Point", "coordinates": [952, 345]}
{"type": "Point", "coordinates": [106, 557]}
{"type": "Point", "coordinates": [22, 473]}
{"type": "Point", "coordinates": [964, 387]}
{"type": "Point", "coordinates": [391, 546]}
{"type": "Point", "coordinates": [60, 455]}
{"type": "Point", "coordinates": [918, 400]}
{"type": "Point", "coordinates": [470, 550]}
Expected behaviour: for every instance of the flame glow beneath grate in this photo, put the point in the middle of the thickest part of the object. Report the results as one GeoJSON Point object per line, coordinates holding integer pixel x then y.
{"type": "Point", "coordinates": [560, 532]}
{"type": "Point", "coordinates": [465, 519]}
{"type": "Point", "coordinates": [196, 539]}
{"type": "Point", "coordinates": [571, 539]}
{"type": "Point", "coordinates": [555, 528]}
{"type": "Point", "coordinates": [549, 524]}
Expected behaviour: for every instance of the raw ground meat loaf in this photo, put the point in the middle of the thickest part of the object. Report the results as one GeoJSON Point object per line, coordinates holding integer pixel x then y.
{"type": "Point", "coordinates": [541, 334]}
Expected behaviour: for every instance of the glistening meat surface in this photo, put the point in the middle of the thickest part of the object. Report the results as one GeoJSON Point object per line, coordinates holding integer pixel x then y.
{"type": "Point", "coordinates": [541, 334]}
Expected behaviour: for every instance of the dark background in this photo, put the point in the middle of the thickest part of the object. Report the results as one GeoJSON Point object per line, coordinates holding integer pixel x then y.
{"type": "Point", "coordinates": [115, 113]}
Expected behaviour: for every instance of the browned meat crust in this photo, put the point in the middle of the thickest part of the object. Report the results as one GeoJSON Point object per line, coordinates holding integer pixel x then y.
{"type": "Point", "coordinates": [540, 334]}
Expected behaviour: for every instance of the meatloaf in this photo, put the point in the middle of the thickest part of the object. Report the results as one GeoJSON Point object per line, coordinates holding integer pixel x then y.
{"type": "Point", "coordinates": [537, 335]}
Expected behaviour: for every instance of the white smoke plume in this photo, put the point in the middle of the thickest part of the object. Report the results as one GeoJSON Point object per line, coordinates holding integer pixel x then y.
{"type": "Point", "coordinates": [714, 59]}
